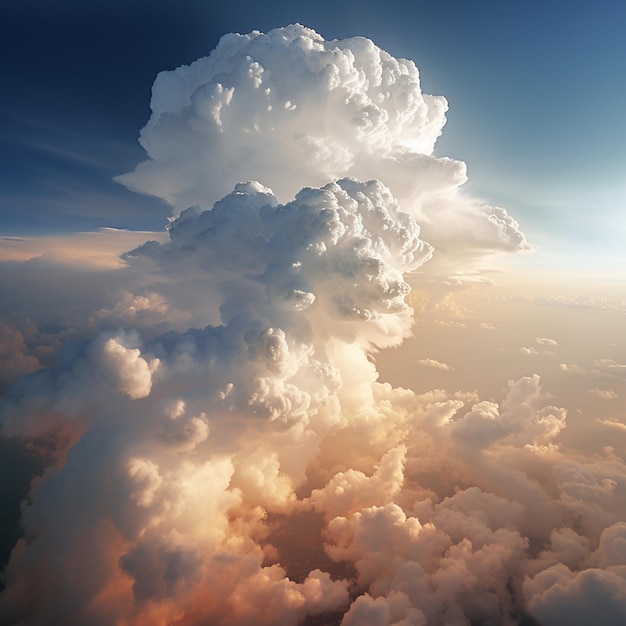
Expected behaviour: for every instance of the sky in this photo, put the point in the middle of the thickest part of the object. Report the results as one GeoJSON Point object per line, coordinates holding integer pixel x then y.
{"type": "Point", "coordinates": [316, 323]}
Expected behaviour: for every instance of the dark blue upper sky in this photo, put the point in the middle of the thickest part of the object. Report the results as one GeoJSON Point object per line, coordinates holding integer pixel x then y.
{"type": "Point", "coordinates": [537, 92]}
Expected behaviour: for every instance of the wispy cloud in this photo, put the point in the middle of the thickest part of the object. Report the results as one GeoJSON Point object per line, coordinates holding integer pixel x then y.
{"type": "Point", "coordinates": [613, 423]}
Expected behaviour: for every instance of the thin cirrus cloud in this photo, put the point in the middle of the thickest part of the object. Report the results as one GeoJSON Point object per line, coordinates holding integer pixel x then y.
{"type": "Point", "coordinates": [182, 455]}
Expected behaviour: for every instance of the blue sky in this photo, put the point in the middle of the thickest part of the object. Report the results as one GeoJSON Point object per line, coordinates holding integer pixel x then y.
{"type": "Point", "coordinates": [536, 90]}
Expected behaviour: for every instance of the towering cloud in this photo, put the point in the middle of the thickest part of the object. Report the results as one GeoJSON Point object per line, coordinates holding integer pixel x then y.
{"type": "Point", "coordinates": [253, 469]}
{"type": "Point", "coordinates": [291, 110]}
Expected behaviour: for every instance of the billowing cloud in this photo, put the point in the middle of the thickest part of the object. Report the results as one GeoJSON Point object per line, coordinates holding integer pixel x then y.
{"type": "Point", "coordinates": [558, 594]}
{"type": "Point", "coordinates": [339, 251]}
{"type": "Point", "coordinates": [251, 111]}
{"type": "Point", "coordinates": [220, 447]}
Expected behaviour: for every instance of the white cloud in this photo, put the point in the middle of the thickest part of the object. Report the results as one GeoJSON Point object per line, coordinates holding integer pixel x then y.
{"type": "Point", "coordinates": [609, 368]}
{"type": "Point", "coordinates": [612, 423]}
{"type": "Point", "coordinates": [337, 253]}
{"type": "Point", "coordinates": [558, 595]}
{"type": "Point", "coordinates": [434, 364]}
{"type": "Point", "coordinates": [255, 101]}
{"type": "Point", "coordinates": [572, 369]}
{"type": "Point", "coordinates": [224, 389]}
{"type": "Point", "coordinates": [529, 351]}
{"type": "Point", "coordinates": [125, 366]}
{"type": "Point", "coordinates": [353, 490]}
{"type": "Point", "coordinates": [383, 611]}
{"type": "Point", "coordinates": [605, 394]}
{"type": "Point", "coordinates": [545, 341]}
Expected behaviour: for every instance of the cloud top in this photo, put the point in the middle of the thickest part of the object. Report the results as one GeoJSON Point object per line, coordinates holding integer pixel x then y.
{"type": "Point", "coordinates": [290, 109]}
{"type": "Point", "coordinates": [256, 100]}
{"type": "Point", "coordinates": [332, 255]}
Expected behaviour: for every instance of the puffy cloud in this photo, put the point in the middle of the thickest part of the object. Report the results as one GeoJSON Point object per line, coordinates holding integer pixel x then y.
{"type": "Point", "coordinates": [611, 550]}
{"type": "Point", "coordinates": [353, 490]}
{"type": "Point", "coordinates": [125, 368]}
{"type": "Point", "coordinates": [184, 432]}
{"type": "Point", "coordinates": [85, 376]}
{"type": "Point", "coordinates": [147, 309]}
{"type": "Point", "coordinates": [566, 547]}
{"type": "Point", "coordinates": [271, 598]}
{"type": "Point", "coordinates": [589, 489]}
{"type": "Point", "coordinates": [339, 252]}
{"type": "Point", "coordinates": [445, 566]}
{"type": "Point", "coordinates": [241, 406]}
{"type": "Point", "coordinates": [558, 595]}
{"type": "Point", "coordinates": [394, 609]}
{"type": "Point", "coordinates": [255, 102]}
{"type": "Point", "coordinates": [434, 363]}
{"type": "Point", "coordinates": [522, 420]}
{"type": "Point", "coordinates": [161, 568]}
{"type": "Point", "coordinates": [605, 394]}
{"type": "Point", "coordinates": [529, 351]}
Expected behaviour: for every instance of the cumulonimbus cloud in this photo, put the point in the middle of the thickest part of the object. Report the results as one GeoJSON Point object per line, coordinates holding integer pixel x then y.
{"type": "Point", "coordinates": [290, 109]}
{"type": "Point", "coordinates": [255, 470]}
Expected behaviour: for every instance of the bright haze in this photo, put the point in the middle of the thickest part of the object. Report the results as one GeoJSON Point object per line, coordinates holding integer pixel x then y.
{"type": "Point", "coordinates": [282, 362]}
